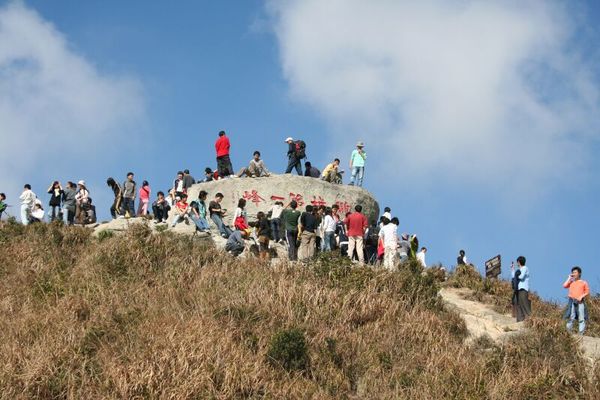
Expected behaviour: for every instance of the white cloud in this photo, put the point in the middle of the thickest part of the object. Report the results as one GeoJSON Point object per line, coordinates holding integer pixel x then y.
{"type": "Point", "coordinates": [58, 112]}
{"type": "Point", "coordinates": [486, 92]}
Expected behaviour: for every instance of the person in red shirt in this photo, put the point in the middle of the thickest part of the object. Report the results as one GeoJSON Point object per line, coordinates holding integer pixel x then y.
{"type": "Point", "coordinates": [356, 224]}
{"type": "Point", "coordinates": [222, 147]}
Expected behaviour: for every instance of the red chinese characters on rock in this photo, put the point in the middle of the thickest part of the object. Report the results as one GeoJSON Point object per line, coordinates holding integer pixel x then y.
{"type": "Point", "coordinates": [253, 196]}
{"type": "Point", "coordinates": [318, 201]}
{"type": "Point", "coordinates": [298, 198]}
{"type": "Point", "coordinates": [344, 207]}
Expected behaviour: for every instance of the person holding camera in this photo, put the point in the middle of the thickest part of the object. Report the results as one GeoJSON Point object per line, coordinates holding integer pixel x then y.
{"type": "Point", "coordinates": [578, 291]}
{"type": "Point", "coordinates": [520, 284]}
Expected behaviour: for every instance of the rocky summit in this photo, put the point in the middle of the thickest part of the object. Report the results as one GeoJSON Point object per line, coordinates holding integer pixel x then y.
{"type": "Point", "coordinates": [261, 193]}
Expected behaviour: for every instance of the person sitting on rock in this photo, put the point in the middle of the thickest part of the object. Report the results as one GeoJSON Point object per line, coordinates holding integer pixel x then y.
{"type": "Point", "coordinates": [235, 243]}
{"type": "Point", "coordinates": [256, 168]}
{"type": "Point", "coordinates": [37, 213]}
{"type": "Point", "coordinates": [332, 172]}
{"type": "Point", "coordinates": [181, 210]}
{"type": "Point", "coordinates": [188, 180]}
{"type": "Point", "coordinates": [240, 220]}
{"type": "Point", "coordinates": [198, 212]}
{"type": "Point", "coordinates": [160, 208]}
{"type": "Point", "coordinates": [264, 235]}
{"type": "Point", "coordinates": [311, 171]}
{"type": "Point", "coordinates": [217, 213]}
{"type": "Point", "coordinates": [208, 175]}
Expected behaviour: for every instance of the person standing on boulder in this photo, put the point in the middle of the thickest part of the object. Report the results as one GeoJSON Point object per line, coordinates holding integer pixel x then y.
{"type": "Point", "coordinates": [579, 290]}
{"type": "Point", "coordinates": [3, 205]}
{"type": "Point", "coordinates": [55, 190]}
{"type": "Point", "coordinates": [128, 207]}
{"type": "Point", "coordinates": [357, 164]}
{"type": "Point", "coordinates": [222, 146]}
{"type": "Point", "coordinates": [296, 152]}
{"type": "Point", "coordinates": [144, 194]}
{"type": "Point", "coordinates": [69, 203]}
{"type": "Point", "coordinates": [115, 209]}
{"type": "Point", "coordinates": [289, 218]}
{"type": "Point", "coordinates": [356, 224]}
{"type": "Point", "coordinates": [520, 282]}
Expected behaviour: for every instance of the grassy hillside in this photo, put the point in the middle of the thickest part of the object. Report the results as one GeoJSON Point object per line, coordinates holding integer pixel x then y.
{"type": "Point", "coordinates": [161, 316]}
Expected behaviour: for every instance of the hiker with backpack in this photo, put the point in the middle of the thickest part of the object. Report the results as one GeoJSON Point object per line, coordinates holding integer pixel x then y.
{"type": "Point", "coordinates": [222, 146]}
{"type": "Point", "coordinates": [296, 152]}
{"type": "Point", "coordinates": [520, 285]}
{"type": "Point", "coordinates": [357, 164]}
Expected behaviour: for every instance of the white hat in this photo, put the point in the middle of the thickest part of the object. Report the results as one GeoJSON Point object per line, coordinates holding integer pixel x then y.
{"type": "Point", "coordinates": [81, 182]}
{"type": "Point", "coordinates": [38, 202]}
{"type": "Point", "coordinates": [289, 139]}
{"type": "Point", "coordinates": [360, 144]}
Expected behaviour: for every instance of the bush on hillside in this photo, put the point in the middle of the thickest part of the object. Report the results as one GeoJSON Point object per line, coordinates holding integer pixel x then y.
{"type": "Point", "coordinates": [288, 349]}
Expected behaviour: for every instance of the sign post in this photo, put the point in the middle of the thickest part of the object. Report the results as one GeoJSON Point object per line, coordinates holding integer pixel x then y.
{"type": "Point", "coordinates": [493, 267]}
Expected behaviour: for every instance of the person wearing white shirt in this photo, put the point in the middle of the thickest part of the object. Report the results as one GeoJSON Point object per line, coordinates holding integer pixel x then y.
{"type": "Point", "coordinates": [276, 211]}
{"type": "Point", "coordinates": [37, 214]}
{"type": "Point", "coordinates": [328, 225]}
{"type": "Point", "coordinates": [389, 234]}
{"type": "Point", "coordinates": [27, 202]}
{"type": "Point", "coordinates": [421, 257]}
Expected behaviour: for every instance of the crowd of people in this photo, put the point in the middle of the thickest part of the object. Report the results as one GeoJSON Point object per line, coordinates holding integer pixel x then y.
{"type": "Point", "coordinates": [304, 232]}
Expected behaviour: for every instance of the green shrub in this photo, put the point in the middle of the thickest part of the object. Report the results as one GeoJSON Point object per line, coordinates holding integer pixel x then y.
{"type": "Point", "coordinates": [105, 234]}
{"type": "Point", "coordinates": [288, 350]}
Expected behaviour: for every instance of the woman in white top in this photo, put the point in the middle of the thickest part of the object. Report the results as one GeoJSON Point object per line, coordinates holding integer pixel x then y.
{"type": "Point", "coordinates": [82, 198]}
{"type": "Point", "coordinates": [240, 221]}
{"type": "Point", "coordinates": [328, 225]}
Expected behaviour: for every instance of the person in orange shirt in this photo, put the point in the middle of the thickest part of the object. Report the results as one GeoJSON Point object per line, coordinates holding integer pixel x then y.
{"type": "Point", "coordinates": [578, 291]}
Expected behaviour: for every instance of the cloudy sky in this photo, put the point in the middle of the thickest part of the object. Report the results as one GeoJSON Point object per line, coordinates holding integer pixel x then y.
{"type": "Point", "coordinates": [482, 119]}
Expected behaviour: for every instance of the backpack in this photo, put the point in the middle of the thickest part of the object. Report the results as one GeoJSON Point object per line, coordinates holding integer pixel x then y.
{"type": "Point", "coordinates": [300, 149]}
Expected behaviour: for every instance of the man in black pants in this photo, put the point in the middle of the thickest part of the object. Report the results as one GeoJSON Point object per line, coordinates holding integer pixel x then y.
{"type": "Point", "coordinates": [293, 159]}
{"type": "Point", "coordinates": [289, 217]}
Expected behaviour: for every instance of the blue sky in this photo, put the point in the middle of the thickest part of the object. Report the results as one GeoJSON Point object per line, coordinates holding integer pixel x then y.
{"type": "Point", "coordinates": [481, 120]}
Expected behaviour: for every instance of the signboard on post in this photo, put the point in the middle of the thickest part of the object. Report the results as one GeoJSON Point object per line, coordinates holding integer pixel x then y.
{"type": "Point", "coordinates": [492, 267]}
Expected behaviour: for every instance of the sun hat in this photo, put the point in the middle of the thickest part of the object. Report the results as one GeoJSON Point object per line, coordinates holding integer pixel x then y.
{"type": "Point", "coordinates": [360, 144]}
{"type": "Point", "coordinates": [289, 139]}
{"type": "Point", "coordinates": [81, 182]}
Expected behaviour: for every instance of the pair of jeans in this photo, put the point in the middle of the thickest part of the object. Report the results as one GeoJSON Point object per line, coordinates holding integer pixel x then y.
{"type": "Point", "coordinates": [577, 310]}
{"type": "Point", "coordinates": [115, 209]}
{"type": "Point", "coordinates": [292, 237]}
{"type": "Point", "coordinates": [177, 219]}
{"type": "Point", "coordinates": [201, 223]}
{"type": "Point", "coordinates": [224, 230]}
{"type": "Point", "coordinates": [358, 173]}
{"type": "Point", "coordinates": [25, 214]}
{"type": "Point", "coordinates": [69, 214]}
{"type": "Point", "coordinates": [235, 249]}
{"type": "Point", "coordinates": [328, 242]}
{"type": "Point", "coordinates": [275, 226]}
{"type": "Point", "coordinates": [128, 206]}
{"type": "Point", "coordinates": [56, 214]}
{"type": "Point", "coordinates": [294, 163]}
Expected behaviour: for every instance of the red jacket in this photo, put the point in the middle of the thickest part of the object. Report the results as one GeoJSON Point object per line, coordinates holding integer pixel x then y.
{"type": "Point", "coordinates": [222, 146]}
{"type": "Point", "coordinates": [356, 223]}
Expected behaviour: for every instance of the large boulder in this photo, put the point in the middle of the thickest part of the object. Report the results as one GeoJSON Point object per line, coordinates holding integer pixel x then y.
{"type": "Point", "coordinates": [262, 193]}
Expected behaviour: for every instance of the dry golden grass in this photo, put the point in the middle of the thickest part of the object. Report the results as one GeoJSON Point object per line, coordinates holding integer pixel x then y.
{"type": "Point", "coordinates": [160, 316]}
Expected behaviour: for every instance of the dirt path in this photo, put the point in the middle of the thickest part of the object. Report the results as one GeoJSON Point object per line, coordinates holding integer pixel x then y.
{"type": "Point", "coordinates": [481, 319]}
